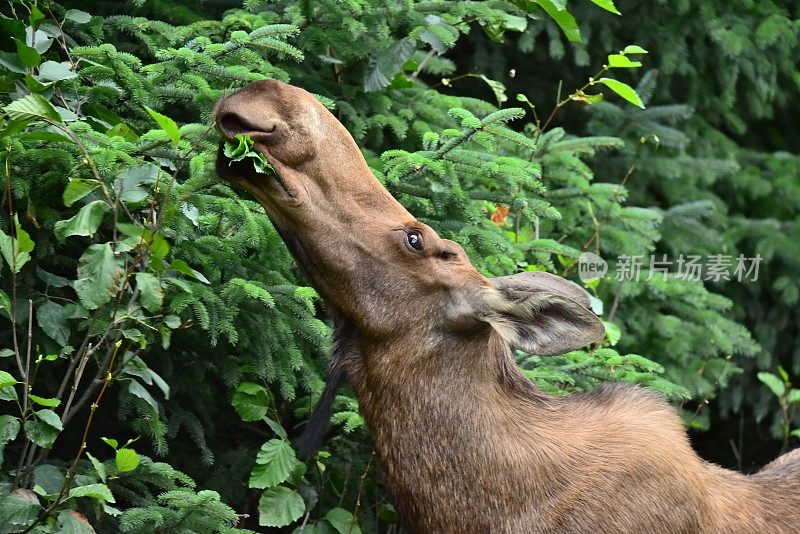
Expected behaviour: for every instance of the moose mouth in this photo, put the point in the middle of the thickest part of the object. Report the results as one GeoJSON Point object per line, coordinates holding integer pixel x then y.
{"type": "Point", "coordinates": [243, 174]}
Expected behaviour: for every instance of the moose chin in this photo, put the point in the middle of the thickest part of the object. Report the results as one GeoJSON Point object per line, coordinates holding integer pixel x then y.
{"type": "Point", "coordinates": [467, 443]}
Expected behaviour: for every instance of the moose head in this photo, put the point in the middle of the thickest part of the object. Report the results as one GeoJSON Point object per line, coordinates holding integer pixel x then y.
{"type": "Point", "coordinates": [389, 274]}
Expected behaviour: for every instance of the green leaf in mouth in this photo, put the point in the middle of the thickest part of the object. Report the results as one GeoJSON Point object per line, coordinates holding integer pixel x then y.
{"type": "Point", "coordinates": [242, 148]}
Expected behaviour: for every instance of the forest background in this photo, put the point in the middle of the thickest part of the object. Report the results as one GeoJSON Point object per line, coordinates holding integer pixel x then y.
{"type": "Point", "coordinates": [160, 349]}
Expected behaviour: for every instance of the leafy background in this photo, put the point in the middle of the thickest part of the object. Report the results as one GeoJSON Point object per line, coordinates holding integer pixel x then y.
{"type": "Point", "coordinates": [160, 348]}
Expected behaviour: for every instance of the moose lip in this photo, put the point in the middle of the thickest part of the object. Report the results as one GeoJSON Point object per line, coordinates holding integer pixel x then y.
{"type": "Point", "coordinates": [243, 174]}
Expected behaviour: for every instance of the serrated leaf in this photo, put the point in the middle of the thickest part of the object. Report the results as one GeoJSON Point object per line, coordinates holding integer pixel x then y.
{"type": "Point", "coordinates": [49, 417]}
{"type": "Point", "coordinates": [166, 124]}
{"type": "Point", "coordinates": [623, 62]}
{"type": "Point", "coordinates": [98, 466]}
{"type": "Point", "coordinates": [274, 463]}
{"type": "Point", "coordinates": [18, 509]}
{"type": "Point", "coordinates": [250, 401]}
{"type": "Point", "coordinates": [497, 88]}
{"type": "Point", "coordinates": [622, 89]}
{"type": "Point", "coordinates": [98, 276]}
{"type": "Point", "coordinates": [72, 522]}
{"type": "Point", "coordinates": [774, 383]}
{"type": "Point", "coordinates": [608, 5]}
{"type": "Point", "coordinates": [84, 223]}
{"type": "Point", "coordinates": [32, 107]}
{"type": "Point", "coordinates": [99, 492]}
{"type": "Point", "coordinates": [9, 429]}
{"type": "Point", "coordinates": [563, 18]}
{"type": "Point", "coordinates": [342, 521]}
{"type": "Point", "coordinates": [44, 429]}
{"type": "Point", "coordinates": [16, 250]}
{"type": "Point", "coordinates": [126, 460]}
{"type": "Point", "coordinates": [150, 292]}
{"type": "Point", "coordinates": [280, 506]}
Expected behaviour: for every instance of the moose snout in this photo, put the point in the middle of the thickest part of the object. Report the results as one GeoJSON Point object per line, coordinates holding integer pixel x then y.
{"type": "Point", "coordinates": [234, 117]}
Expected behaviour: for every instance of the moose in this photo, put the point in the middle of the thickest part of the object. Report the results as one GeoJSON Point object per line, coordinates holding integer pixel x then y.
{"type": "Point", "coordinates": [466, 442]}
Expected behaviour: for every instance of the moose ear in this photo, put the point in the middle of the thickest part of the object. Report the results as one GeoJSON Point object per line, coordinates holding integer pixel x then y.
{"type": "Point", "coordinates": [541, 313]}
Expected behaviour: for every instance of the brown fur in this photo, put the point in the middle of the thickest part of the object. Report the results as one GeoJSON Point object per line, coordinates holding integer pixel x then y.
{"type": "Point", "coordinates": [467, 443]}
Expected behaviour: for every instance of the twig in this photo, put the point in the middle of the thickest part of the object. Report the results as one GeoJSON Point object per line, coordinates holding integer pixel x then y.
{"type": "Point", "coordinates": [358, 495]}
{"type": "Point", "coordinates": [71, 472]}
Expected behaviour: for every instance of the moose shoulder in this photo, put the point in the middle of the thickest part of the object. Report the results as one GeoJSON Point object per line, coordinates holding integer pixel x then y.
{"type": "Point", "coordinates": [467, 443]}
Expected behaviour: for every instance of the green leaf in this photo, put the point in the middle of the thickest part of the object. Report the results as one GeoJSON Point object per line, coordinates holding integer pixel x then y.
{"type": "Point", "coordinates": [99, 492]}
{"type": "Point", "coordinates": [98, 466]}
{"type": "Point", "coordinates": [795, 433]}
{"type": "Point", "coordinates": [52, 318]}
{"type": "Point", "coordinates": [18, 510]}
{"type": "Point", "coordinates": [243, 148]}
{"type": "Point", "coordinates": [166, 124]}
{"type": "Point", "coordinates": [150, 291]}
{"type": "Point", "coordinates": [49, 478]}
{"type": "Point", "coordinates": [342, 521]}
{"type": "Point", "coordinates": [138, 390]}
{"type": "Point", "coordinates": [275, 462]}
{"type": "Point", "coordinates": [30, 56]}
{"type": "Point", "coordinates": [32, 107]}
{"type": "Point", "coordinates": [16, 251]}
{"type": "Point", "coordinates": [85, 222]}
{"type": "Point", "coordinates": [72, 522]}
{"type": "Point", "coordinates": [622, 89]}
{"type": "Point", "coordinates": [280, 506]}
{"type": "Point", "coordinates": [613, 333]}
{"type": "Point", "coordinates": [76, 15]}
{"type": "Point", "coordinates": [7, 380]}
{"type": "Point", "coordinates": [98, 276]}
{"type": "Point", "coordinates": [111, 442]}
{"type": "Point", "coordinates": [621, 61]}
{"type": "Point", "coordinates": [774, 383]}
{"type": "Point", "coordinates": [51, 279]}
{"type": "Point", "coordinates": [794, 396]}
{"type": "Point", "coordinates": [44, 430]}
{"type": "Point", "coordinates": [127, 460]}
{"type": "Point", "coordinates": [49, 417]}
{"type": "Point", "coordinates": [55, 72]}
{"type": "Point", "coordinates": [41, 401]}
{"type": "Point", "coordinates": [77, 188]}
{"type": "Point", "coordinates": [497, 88]}
{"type": "Point", "coordinates": [9, 428]}
{"type": "Point", "coordinates": [250, 401]}
{"type": "Point", "coordinates": [563, 18]}
{"type": "Point", "coordinates": [128, 186]}
{"type": "Point", "coordinates": [634, 49]}
{"type": "Point", "coordinates": [608, 5]}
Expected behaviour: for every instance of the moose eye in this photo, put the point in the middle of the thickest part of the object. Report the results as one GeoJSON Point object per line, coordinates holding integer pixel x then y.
{"type": "Point", "coordinates": [414, 240]}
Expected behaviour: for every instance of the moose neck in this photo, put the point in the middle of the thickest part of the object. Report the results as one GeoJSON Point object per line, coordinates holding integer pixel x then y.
{"type": "Point", "coordinates": [430, 406]}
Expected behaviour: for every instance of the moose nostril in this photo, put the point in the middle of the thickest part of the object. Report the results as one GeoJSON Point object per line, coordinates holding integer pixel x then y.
{"type": "Point", "coordinates": [232, 124]}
